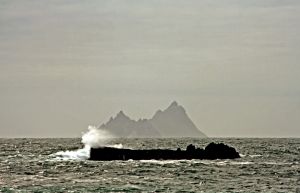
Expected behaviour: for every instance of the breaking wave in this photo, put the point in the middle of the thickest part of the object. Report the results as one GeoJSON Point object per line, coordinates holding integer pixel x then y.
{"type": "Point", "coordinates": [93, 138]}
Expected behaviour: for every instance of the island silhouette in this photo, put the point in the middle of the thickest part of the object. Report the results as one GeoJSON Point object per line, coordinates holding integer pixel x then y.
{"type": "Point", "coordinates": [173, 122]}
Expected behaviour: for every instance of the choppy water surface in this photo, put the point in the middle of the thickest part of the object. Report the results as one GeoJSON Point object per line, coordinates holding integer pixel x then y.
{"type": "Point", "coordinates": [32, 165]}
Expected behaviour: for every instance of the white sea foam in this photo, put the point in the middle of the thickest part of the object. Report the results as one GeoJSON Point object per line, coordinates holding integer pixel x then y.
{"type": "Point", "coordinates": [93, 138]}
{"type": "Point", "coordinates": [255, 155]}
{"type": "Point", "coordinates": [79, 154]}
{"type": "Point", "coordinates": [252, 156]}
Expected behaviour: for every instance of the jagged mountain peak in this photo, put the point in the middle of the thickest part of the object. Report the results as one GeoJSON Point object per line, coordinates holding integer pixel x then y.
{"type": "Point", "coordinates": [174, 107]}
{"type": "Point", "coordinates": [171, 122]}
{"type": "Point", "coordinates": [121, 114]}
{"type": "Point", "coordinates": [174, 104]}
{"type": "Point", "coordinates": [120, 118]}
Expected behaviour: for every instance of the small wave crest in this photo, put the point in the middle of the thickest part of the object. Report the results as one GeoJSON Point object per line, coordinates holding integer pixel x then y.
{"type": "Point", "coordinates": [255, 155]}
{"type": "Point", "coordinates": [252, 156]}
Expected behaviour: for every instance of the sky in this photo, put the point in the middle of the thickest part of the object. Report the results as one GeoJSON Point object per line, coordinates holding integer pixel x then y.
{"type": "Point", "coordinates": [233, 65]}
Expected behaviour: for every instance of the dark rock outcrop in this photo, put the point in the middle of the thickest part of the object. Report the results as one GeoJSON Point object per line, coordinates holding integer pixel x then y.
{"type": "Point", "coordinates": [211, 151]}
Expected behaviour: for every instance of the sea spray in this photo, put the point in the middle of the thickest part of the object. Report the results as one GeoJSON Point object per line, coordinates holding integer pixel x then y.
{"type": "Point", "coordinates": [96, 137]}
{"type": "Point", "coordinates": [93, 138]}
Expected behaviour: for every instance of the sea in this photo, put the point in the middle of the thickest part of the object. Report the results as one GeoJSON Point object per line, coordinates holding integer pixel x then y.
{"type": "Point", "coordinates": [61, 165]}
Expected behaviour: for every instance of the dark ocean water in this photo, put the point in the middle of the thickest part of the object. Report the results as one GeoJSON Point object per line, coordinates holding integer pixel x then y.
{"type": "Point", "coordinates": [33, 165]}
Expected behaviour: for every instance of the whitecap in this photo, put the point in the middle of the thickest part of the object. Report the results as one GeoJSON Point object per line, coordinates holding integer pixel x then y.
{"type": "Point", "coordinates": [255, 155]}
{"type": "Point", "coordinates": [241, 163]}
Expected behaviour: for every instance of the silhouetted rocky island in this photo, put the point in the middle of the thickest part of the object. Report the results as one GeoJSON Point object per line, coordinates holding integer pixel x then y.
{"type": "Point", "coordinates": [211, 151]}
{"type": "Point", "coordinates": [172, 122]}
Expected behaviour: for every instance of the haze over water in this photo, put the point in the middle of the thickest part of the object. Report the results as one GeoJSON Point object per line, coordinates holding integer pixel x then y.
{"type": "Point", "coordinates": [234, 65]}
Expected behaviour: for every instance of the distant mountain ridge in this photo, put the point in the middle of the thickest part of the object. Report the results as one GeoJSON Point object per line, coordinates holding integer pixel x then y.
{"type": "Point", "coordinates": [172, 122]}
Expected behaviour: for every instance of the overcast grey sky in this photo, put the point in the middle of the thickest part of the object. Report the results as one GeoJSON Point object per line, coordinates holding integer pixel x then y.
{"type": "Point", "coordinates": [234, 65]}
